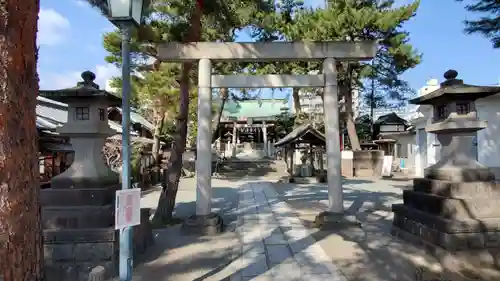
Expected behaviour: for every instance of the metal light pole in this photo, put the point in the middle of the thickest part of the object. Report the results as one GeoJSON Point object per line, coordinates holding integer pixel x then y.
{"type": "Point", "coordinates": [126, 14]}
{"type": "Point", "coordinates": [126, 261]}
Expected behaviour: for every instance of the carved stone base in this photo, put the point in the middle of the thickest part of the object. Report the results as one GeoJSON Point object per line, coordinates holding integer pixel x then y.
{"type": "Point", "coordinates": [402, 213]}
{"type": "Point", "coordinates": [469, 238]}
{"type": "Point", "coordinates": [452, 208]}
{"type": "Point", "coordinates": [202, 225]}
{"type": "Point", "coordinates": [79, 234]}
{"type": "Point", "coordinates": [329, 220]}
{"type": "Point", "coordinates": [487, 189]}
{"type": "Point", "coordinates": [459, 174]}
{"type": "Point", "coordinates": [465, 265]}
{"type": "Point", "coordinates": [72, 253]}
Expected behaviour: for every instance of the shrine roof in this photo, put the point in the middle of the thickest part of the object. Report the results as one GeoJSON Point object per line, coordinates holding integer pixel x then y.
{"type": "Point", "coordinates": [455, 89]}
{"type": "Point", "coordinates": [391, 118]}
{"type": "Point", "coordinates": [254, 108]}
{"type": "Point", "coordinates": [137, 118]}
{"type": "Point", "coordinates": [85, 89]}
{"type": "Point", "coordinates": [305, 133]}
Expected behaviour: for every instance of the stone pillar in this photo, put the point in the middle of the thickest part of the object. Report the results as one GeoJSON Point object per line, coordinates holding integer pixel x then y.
{"type": "Point", "coordinates": [334, 217]}
{"type": "Point", "coordinates": [204, 140]}
{"type": "Point", "coordinates": [333, 157]}
{"type": "Point", "coordinates": [204, 222]}
{"type": "Point", "coordinates": [235, 132]}
{"type": "Point", "coordinates": [264, 135]}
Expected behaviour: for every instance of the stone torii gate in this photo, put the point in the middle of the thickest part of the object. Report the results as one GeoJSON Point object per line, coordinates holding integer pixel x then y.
{"type": "Point", "coordinates": [206, 52]}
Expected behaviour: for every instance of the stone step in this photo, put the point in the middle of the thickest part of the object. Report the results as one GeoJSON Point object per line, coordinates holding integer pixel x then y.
{"type": "Point", "coordinates": [78, 217]}
{"type": "Point", "coordinates": [457, 189]}
{"type": "Point", "coordinates": [465, 208]}
{"type": "Point", "coordinates": [459, 174]}
{"type": "Point", "coordinates": [89, 235]}
{"type": "Point", "coordinates": [65, 271]}
{"type": "Point", "coordinates": [80, 252]}
{"type": "Point", "coordinates": [77, 197]}
{"type": "Point", "coordinates": [450, 241]}
{"type": "Point", "coordinates": [442, 224]}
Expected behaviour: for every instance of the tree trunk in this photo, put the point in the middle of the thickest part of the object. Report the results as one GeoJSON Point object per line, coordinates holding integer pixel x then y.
{"type": "Point", "coordinates": [166, 203]}
{"type": "Point", "coordinates": [346, 88]}
{"type": "Point", "coordinates": [224, 94]}
{"type": "Point", "coordinates": [296, 101]}
{"type": "Point", "coordinates": [351, 125]}
{"type": "Point", "coordinates": [156, 139]}
{"type": "Point", "coordinates": [20, 226]}
{"type": "Point", "coordinates": [297, 107]}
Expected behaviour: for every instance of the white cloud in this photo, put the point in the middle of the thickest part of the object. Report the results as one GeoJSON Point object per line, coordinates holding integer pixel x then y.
{"type": "Point", "coordinates": [81, 3]}
{"type": "Point", "coordinates": [103, 74]}
{"type": "Point", "coordinates": [399, 3]}
{"type": "Point", "coordinates": [52, 27]}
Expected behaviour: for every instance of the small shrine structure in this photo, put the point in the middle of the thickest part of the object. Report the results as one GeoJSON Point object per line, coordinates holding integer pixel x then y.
{"type": "Point", "coordinates": [249, 126]}
{"type": "Point", "coordinates": [453, 210]}
{"type": "Point", "coordinates": [308, 141]}
{"type": "Point", "coordinates": [78, 208]}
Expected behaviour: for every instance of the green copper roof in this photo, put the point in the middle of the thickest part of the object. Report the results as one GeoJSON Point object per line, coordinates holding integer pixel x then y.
{"type": "Point", "coordinates": [254, 108]}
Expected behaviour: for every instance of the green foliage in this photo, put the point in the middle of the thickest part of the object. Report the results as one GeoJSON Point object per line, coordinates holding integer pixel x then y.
{"type": "Point", "coordinates": [363, 127]}
{"type": "Point", "coordinates": [284, 125]}
{"type": "Point", "coordinates": [155, 84]}
{"type": "Point", "coordinates": [350, 20]}
{"type": "Point", "coordinates": [489, 23]}
{"type": "Point", "coordinates": [135, 161]}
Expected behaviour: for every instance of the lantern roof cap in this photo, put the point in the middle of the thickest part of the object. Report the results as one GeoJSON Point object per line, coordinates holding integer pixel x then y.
{"type": "Point", "coordinates": [85, 89]}
{"type": "Point", "coordinates": [453, 89]}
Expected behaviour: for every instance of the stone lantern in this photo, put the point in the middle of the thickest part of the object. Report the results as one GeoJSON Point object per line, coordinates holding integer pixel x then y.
{"type": "Point", "coordinates": [454, 209]}
{"type": "Point", "coordinates": [78, 209]}
{"type": "Point", "coordinates": [87, 127]}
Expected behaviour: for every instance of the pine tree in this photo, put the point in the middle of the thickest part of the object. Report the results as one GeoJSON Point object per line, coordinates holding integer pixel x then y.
{"type": "Point", "coordinates": [181, 21]}
{"type": "Point", "coordinates": [489, 22]}
{"type": "Point", "coordinates": [352, 21]}
{"type": "Point", "coordinates": [20, 220]}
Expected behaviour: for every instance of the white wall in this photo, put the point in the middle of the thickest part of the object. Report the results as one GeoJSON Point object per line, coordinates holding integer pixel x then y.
{"type": "Point", "coordinates": [429, 154]}
{"type": "Point", "coordinates": [488, 140]}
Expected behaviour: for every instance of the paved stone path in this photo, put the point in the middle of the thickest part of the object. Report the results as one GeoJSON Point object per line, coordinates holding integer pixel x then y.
{"type": "Point", "coordinates": [275, 246]}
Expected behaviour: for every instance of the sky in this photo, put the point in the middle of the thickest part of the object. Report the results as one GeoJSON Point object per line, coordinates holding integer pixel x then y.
{"type": "Point", "coordinates": [70, 41]}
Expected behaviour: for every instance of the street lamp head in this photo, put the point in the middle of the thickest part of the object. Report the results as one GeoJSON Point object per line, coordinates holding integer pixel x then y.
{"type": "Point", "coordinates": [126, 11]}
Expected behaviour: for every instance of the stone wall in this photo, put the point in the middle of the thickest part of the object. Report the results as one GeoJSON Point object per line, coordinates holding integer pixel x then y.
{"type": "Point", "coordinates": [368, 163]}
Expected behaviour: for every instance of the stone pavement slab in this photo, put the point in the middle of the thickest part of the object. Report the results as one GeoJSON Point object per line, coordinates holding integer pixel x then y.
{"type": "Point", "coordinates": [274, 243]}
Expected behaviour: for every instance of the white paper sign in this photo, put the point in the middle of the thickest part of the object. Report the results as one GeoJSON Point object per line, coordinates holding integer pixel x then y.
{"type": "Point", "coordinates": [127, 208]}
{"type": "Point", "coordinates": [387, 166]}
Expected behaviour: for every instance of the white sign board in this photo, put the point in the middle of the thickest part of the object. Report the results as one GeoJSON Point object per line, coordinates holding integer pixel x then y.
{"type": "Point", "coordinates": [387, 166]}
{"type": "Point", "coordinates": [127, 208]}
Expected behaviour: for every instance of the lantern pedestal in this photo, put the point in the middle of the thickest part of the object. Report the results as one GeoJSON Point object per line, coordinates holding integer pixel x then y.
{"type": "Point", "coordinates": [453, 212]}
{"type": "Point", "coordinates": [78, 210]}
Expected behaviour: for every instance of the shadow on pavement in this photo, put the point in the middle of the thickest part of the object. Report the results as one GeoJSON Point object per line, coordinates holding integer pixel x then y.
{"type": "Point", "coordinates": [362, 254]}
{"type": "Point", "coordinates": [369, 252]}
